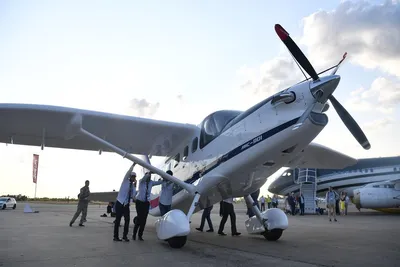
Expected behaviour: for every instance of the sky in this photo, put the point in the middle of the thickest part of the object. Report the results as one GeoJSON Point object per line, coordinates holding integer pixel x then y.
{"type": "Point", "coordinates": [181, 60]}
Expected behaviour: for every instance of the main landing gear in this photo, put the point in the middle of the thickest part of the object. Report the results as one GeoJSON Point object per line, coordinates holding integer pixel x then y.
{"type": "Point", "coordinates": [270, 223]}
{"type": "Point", "coordinates": [174, 226]}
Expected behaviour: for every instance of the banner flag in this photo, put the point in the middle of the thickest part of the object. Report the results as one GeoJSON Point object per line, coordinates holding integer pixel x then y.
{"type": "Point", "coordinates": [35, 167]}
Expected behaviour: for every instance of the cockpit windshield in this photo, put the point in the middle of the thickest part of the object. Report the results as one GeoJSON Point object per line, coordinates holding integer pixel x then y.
{"type": "Point", "coordinates": [213, 125]}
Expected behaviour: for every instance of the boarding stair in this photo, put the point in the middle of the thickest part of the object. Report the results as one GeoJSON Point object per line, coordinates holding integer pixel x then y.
{"type": "Point", "coordinates": [307, 179]}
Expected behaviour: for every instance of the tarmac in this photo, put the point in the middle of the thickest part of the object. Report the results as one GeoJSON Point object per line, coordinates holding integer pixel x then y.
{"type": "Point", "coordinates": [366, 238]}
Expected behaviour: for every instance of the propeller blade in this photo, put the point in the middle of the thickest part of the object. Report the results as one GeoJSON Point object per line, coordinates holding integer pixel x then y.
{"type": "Point", "coordinates": [350, 123]}
{"type": "Point", "coordinates": [295, 51]}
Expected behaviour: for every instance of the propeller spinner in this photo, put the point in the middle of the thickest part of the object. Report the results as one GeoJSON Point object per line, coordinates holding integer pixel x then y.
{"type": "Point", "coordinates": [320, 96]}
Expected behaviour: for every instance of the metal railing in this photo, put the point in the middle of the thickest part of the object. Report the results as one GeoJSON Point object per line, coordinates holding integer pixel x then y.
{"type": "Point", "coordinates": [305, 176]}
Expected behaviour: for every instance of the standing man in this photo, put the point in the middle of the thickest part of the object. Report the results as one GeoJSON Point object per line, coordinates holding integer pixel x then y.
{"type": "Point", "coordinates": [167, 188]}
{"type": "Point", "coordinates": [292, 203]}
{"type": "Point", "coordinates": [228, 210]}
{"type": "Point", "coordinates": [301, 202]}
{"type": "Point", "coordinates": [143, 204]}
{"type": "Point", "coordinates": [331, 203]}
{"type": "Point", "coordinates": [262, 201]}
{"type": "Point", "coordinates": [83, 203]}
{"type": "Point", "coordinates": [274, 201]}
{"type": "Point", "coordinates": [268, 201]}
{"type": "Point", "coordinates": [126, 192]}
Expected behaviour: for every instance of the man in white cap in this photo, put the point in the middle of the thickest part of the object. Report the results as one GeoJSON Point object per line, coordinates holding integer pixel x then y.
{"type": "Point", "coordinates": [143, 204]}
{"type": "Point", "coordinates": [126, 192]}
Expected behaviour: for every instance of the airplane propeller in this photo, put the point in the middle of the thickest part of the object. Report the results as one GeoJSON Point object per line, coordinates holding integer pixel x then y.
{"type": "Point", "coordinates": [346, 118]}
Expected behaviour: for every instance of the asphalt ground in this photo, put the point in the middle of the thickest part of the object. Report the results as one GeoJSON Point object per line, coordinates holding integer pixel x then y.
{"type": "Point", "coordinates": [366, 238]}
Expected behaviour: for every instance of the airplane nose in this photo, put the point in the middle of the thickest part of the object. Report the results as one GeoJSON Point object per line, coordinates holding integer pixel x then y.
{"type": "Point", "coordinates": [324, 87]}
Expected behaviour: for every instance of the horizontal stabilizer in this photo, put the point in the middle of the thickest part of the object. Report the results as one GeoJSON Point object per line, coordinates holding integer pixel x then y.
{"type": "Point", "coordinates": [321, 157]}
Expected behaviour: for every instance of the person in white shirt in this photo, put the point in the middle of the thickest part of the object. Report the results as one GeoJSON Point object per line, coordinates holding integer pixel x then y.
{"type": "Point", "coordinates": [331, 204]}
{"type": "Point", "coordinates": [167, 188]}
{"type": "Point", "coordinates": [126, 193]}
{"type": "Point", "coordinates": [228, 210]}
{"type": "Point", "coordinates": [143, 204]}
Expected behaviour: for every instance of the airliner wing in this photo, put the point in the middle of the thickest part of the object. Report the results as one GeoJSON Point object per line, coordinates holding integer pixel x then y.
{"type": "Point", "coordinates": [321, 157]}
{"type": "Point", "coordinates": [33, 124]}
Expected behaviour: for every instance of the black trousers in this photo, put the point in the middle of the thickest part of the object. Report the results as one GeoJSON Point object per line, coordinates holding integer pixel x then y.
{"type": "Point", "coordinates": [228, 211]}
{"type": "Point", "coordinates": [142, 210]}
{"type": "Point", "coordinates": [293, 208]}
{"type": "Point", "coordinates": [206, 215]}
{"type": "Point", "coordinates": [301, 208]}
{"type": "Point", "coordinates": [120, 211]}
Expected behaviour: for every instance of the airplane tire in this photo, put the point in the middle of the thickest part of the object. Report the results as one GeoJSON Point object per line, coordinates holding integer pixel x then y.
{"type": "Point", "coordinates": [177, 241]}
{"type": "Point", "coordinates": [273, 235]}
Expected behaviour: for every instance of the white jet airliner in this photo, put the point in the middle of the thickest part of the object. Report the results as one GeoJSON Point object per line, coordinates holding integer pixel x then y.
{"type": "Point", "coordinates": [230, 154]}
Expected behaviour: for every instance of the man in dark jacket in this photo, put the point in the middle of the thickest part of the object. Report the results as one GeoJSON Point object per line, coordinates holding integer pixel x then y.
{"type": "Point", "coordinates": [82, 204]}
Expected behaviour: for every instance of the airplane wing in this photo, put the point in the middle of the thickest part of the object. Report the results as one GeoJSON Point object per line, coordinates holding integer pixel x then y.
{"type": "Point", "coordinates": [321, 157]}
{"type": "Point", "coordinates": [27, 124]}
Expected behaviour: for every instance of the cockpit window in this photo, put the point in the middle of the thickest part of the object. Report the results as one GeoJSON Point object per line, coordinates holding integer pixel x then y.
{"type": "Point", "coordinates": [212, 126]}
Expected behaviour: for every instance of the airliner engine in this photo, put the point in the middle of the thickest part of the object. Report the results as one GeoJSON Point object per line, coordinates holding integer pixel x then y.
{"type": "Point", "coordinates": [380, 195]}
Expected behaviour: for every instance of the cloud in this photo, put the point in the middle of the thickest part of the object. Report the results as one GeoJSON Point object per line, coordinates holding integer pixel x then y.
{"type": "Point", "coordinates": [271, 77]}
{"type": "Point", "coordinates": [378, 125]}
{"type": "Point", "coordinates": [369, 33]}
{"type": "Point", "coordinates": [142, 108]}
{"type": "Point", "coordinates": [382, 96]}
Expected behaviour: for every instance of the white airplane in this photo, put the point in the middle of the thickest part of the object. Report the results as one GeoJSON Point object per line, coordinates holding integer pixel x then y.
{"type": "Point", "coordinates": [370, 183]}
{"type": "Point", "coordinates": [230, 154]}
{"type": "Point", "coordinates": [365, 171]}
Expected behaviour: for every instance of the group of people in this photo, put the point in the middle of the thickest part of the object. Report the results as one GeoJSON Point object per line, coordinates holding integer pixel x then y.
{"type": "Point", "coordinates": [141, 196]}
{"type": "Point", "coordinates": [270, 202]}
{"type": "Point", "coordinates": [127, 194]}
{"type": "Point", "coordinates": [293, 201]}
{"type": "Point", "coordinates": [336, 204]}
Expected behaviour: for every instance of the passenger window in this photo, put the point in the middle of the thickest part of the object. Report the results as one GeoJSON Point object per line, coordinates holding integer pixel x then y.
{"type": "Point", "coordinates": [177, 158]}
{"type": "Point", "coordinates": [194, 144]}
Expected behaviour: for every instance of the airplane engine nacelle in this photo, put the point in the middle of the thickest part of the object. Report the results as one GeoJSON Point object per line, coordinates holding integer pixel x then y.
{"type": "Point", "coordinates": [376, 198]}
{"type": "Point", "coordinates": [173, 224]}
{"type": "Point", "coordinates": [276, 219]}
